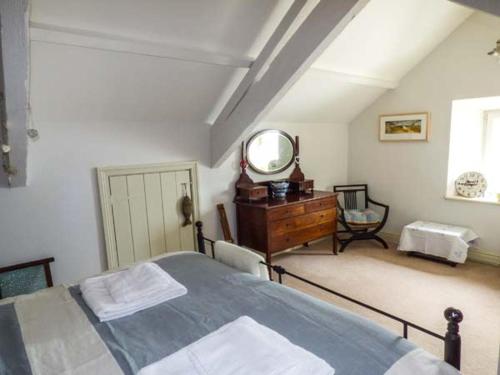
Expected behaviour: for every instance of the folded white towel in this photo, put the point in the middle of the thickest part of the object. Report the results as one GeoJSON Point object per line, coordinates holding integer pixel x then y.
{"type": "Point", "coordinates": [242, 347]}
{"type": "Point", "coordinates": [140, 282]}
{"type": "Point", "coordinates": [124, 293]}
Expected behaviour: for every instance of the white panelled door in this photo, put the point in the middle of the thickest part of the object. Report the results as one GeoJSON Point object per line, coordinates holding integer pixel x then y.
{"type": "Point", "coordinates": [142, 210]}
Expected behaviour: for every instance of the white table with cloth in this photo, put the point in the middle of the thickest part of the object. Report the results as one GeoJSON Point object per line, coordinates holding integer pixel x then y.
{"type": "Point", "coordinates": [441, 240]}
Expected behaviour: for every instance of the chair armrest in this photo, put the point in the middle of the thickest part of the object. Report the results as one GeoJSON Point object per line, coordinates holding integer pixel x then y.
{"type": "Point", "coordinates": [377, 203]}
{"type": "Point", "coordinates": [341, 216]}
{"type": "Point", "coordinates": [386, 213]}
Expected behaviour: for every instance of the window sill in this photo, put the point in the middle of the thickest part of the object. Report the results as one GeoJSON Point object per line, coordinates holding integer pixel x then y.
{"type": "Point", "coordinates": [473, 200]}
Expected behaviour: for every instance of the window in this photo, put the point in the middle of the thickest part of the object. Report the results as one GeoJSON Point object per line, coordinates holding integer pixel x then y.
{"type": "Point", "coordinates": [491, 150]}
{"type": "Point", "coordinates": [475, 143]}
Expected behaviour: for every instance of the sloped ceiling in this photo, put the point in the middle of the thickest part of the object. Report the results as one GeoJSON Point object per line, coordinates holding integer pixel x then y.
{"type": "Point", "coordinates": [234, 27]}
{"type": "Point", "coordinates": [71, 83]}
{"type": "Point", "coordinates": [74, 84]}
{"type": "Point", "coordinates": [320, 97]}
{"type": "Point", "coordinates": [383, 43]}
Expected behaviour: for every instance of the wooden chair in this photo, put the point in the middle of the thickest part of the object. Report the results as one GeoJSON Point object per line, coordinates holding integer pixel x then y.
{"type": "Point", "coordinates": [358, 220]}
{"type": "Point", "coordinates": [25, 278]}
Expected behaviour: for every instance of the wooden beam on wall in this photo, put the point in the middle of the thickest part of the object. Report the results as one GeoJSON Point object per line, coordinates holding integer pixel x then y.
{"type": "Point", "coordinates": [15, 60]}
{"type": "Point", "coordinates": [54, 34]}
{"type": "Point", "coordinates": [325, 22]}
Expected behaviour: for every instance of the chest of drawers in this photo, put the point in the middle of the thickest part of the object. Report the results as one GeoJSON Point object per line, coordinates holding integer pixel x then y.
{"type": "Point", "coordinates": [274, 226]}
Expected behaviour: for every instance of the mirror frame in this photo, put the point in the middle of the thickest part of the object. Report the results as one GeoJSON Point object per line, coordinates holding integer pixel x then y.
{"type": "Point", "coordinates": [285, 167]}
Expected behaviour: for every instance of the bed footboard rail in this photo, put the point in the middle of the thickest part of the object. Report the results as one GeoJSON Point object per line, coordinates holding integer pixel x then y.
{"type": "Point", "coordinates": [452, 339]}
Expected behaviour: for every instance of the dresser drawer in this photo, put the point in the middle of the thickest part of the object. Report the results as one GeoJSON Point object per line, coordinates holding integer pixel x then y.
{"type": "Point", "coordinates": [321, 204]}
{"type": "Point", "coordinates": [280, 227]}
{"type": "Point", "coordinates": [285, 212]}
{"type": "Point", "coordinates": [298, 237]}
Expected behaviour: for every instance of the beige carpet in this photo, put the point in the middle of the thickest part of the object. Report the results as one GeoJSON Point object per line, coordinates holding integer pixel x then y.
{"type": "Point", "coordinates": [415, 289]}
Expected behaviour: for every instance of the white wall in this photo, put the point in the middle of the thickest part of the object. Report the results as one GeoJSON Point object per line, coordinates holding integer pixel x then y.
{"type": "Point", "coordinates": [58, 214]}
{"type": "Point", "coordinates": [99, 108]}
{"type": "Point", "coordinates": [412, 177]}
{"type": "Point", "coordinates": [323, 152]}
{"type": "Point", "coordinates": [323, 157]}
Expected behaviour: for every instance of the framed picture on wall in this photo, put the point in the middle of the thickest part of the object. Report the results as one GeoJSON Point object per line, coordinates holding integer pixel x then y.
{"type": "Point", "coordinates": [404, 127]}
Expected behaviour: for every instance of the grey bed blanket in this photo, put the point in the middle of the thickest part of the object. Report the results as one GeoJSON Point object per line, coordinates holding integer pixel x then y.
{"type": "Point", "coordinates": [218, 294]}
{"type": "Point", "coordinates": [13, 358]}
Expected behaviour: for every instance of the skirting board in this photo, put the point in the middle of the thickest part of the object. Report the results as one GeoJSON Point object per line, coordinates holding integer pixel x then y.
{"type": "Point", "coordinates": [475, 254]}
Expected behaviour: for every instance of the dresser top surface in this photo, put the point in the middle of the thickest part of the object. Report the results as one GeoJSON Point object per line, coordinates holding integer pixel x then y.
{"type": "Point", "coordinates": [290, 199]}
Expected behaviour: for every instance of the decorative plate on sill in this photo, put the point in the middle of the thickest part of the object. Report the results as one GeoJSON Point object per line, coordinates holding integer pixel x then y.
{"type": "Point", "coordinates": [471, 185]}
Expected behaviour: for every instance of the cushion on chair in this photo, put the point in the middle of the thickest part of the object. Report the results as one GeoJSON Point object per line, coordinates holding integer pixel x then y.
{"type": "Point", "coordinates": [362, 217]}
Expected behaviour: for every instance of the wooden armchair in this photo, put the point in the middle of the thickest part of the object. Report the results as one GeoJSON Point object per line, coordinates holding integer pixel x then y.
{"type": "Point", "coordinates": [358, 220]}
{"type": "Point", "coordinates": [25, 278]}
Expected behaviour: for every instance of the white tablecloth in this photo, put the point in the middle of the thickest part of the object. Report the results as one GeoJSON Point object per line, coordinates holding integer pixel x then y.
{"type": "Point", "coordinates": [442, 240]}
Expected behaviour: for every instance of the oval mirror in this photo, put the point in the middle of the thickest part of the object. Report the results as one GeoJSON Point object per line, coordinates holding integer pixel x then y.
{"type": "Point", "coordinates": [270, 151]}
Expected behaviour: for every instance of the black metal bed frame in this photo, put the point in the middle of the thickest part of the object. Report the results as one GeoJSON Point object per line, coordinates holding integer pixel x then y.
{"type": "Point", "coordinates": [452, 339]}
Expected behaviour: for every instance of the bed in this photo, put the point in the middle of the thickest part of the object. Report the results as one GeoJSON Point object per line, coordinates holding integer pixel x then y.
{"type": "Point", "coordinates": [53, 331]}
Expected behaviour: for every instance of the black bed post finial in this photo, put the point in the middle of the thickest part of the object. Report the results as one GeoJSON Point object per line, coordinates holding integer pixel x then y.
{"type": "Point", "coordinates": [200, 237]}
{"type": "Point", "coordinates": [452, 340]}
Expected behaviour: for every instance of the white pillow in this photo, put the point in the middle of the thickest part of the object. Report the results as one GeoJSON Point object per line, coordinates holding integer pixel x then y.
{"type": "Point", "coordinates": [240, 258]}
